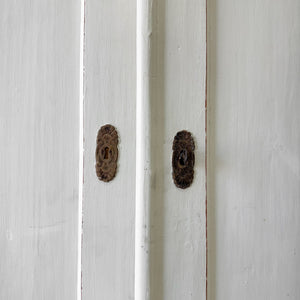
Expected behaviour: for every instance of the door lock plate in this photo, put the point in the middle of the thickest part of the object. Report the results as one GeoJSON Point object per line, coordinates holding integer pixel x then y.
{"type": "Point", "coordinates": [183, 159]}
{"type": "Point", "coordinates": [107, 153]}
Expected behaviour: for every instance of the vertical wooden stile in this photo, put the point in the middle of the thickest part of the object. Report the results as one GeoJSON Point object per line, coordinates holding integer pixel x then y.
{"type": "Point", "coordinates": [109, 98]}
{"type": "Point", "coordinates": [170, 222]}
{"type": "Point", "coordinates": [143, 149]}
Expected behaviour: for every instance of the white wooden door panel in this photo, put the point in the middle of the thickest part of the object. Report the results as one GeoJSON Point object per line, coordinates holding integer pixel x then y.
{"type": "Point", "coordinates": [39, 88]}
{"type": "Point", "coordinates": [253, 152]}
{"type": "Point", "coordinates": [108, 208]}
{"type": "Point", "coordinates": [177, 221]}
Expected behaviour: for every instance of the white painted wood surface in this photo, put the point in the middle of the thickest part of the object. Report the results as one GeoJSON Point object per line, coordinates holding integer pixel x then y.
{"type": "Point", "coordinates": [254, 150]}
{"type": "Point", "coordinates": [110, 97]}
{"type": "Point", "coordinates": [39, 86]}
{"type": "Point", "coordinates": [177, 252]}
{"type": "Point", "coordinates": [143, 149]}
{"type": "Point", "coordinates": [177, 222]}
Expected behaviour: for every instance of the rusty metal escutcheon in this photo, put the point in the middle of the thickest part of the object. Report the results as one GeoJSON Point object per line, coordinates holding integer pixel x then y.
{"type": "Point", "coordinates": [183, 159]}
{"type": "Point", "coordinates": [107, 153]}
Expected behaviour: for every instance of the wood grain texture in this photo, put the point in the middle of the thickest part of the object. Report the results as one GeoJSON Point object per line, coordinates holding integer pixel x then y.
{"type": "Point", "coordinates": [39, 85]}
{"type": "Point", "coordinates": [109, 208]}
{"type": "Point", "coordinates": [254, 147]}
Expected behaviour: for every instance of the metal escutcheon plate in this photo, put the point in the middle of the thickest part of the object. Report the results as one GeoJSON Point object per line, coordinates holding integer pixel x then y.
{"type": "Point", "coordinates": [183, 159]}
{"type": "Point", "coordinates": [107, 153]}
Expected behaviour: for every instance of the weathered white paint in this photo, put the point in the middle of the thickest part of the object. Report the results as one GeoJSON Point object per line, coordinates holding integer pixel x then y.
{"type": "Point", "coordinates": [254, 149]}
{"type": "Point", "coordinates": [172, 98]}
{"type": "Point", "coordinates": [143, 149]}
{"type": "Point", "coordinates": [170, 77]}
{"type": "Point", "coordinates": [39, 84]}
{"type": "Point", "coordinates": [110, 97]}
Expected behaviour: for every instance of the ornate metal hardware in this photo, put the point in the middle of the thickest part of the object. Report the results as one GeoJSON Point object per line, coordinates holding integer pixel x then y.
{"type": "Point", "coordinates": [107, 153]}
{"type": "Point", "coordinates": [183, 159]}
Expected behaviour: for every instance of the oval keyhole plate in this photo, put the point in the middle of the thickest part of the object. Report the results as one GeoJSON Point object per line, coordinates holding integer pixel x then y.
{"type": "Point", "coordinates": [107, 153]}
{"type": "Point", "coordinates": [183, 159]}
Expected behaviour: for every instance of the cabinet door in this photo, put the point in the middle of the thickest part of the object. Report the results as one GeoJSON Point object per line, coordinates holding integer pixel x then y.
{"type": "Point", "coordinates": [39, 129]}
{"type": "Point", "coordinates": [254, 150]}
{"type": "Point", "coordinates": [145, 74]}
{"type": "Point", "coordinates": [144, 238]}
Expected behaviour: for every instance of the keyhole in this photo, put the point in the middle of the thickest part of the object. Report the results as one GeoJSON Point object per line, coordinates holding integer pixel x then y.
{"type": "Point", "coordinates": [106, 150]}
{"type": "Point", "coordinates": [182, 158]}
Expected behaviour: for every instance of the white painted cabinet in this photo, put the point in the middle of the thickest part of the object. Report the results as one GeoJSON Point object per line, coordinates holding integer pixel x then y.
{"type": "Point", "coordinates": [226, 71]}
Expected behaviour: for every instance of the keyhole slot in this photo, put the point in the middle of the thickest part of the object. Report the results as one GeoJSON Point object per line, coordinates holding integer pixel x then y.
{"type": "Point", "coordinates": [182, 158]}
{"type": "Point", "coordinates": [106, 153]}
